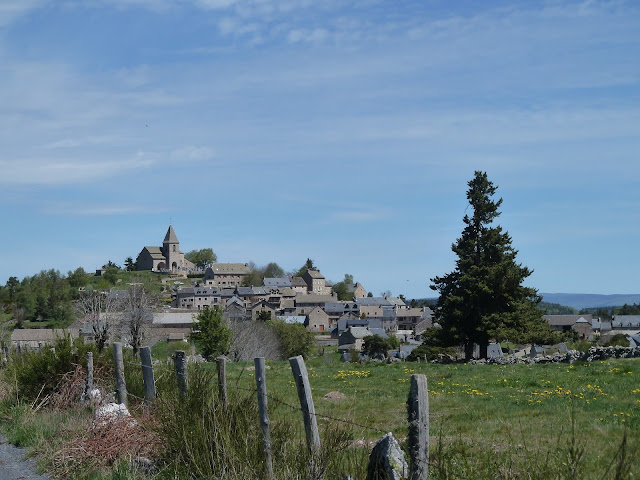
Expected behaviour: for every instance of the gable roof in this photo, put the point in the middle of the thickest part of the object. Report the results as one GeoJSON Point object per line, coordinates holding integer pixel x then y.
{"type": "Point", "coordinates": [277, 282]}
{"type": "Point", "coordinates": [170, 237]}
{"type": "Point", "coordinates": [41, 334]}
{"type": "Point", "coordinates": [373, 301]}
{"type": "Point", "coordinates": [566, 320]}
{"type": "Point", "coordinates": [314, 274]}
{"type": "Point", "coordinates": [359, 332]}
{"type": "Point", "coordinates": [155, 252]}
{"type": "Point", "coordinates": [230, 268]}
{"type": "Point", "coordinates": [298, 282]}
{"type": "Point", "coordinates": [305, 299]}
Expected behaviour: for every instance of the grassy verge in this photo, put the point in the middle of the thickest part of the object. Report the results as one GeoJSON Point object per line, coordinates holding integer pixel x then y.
{"type": "Point", "coordinates": [487, 421]}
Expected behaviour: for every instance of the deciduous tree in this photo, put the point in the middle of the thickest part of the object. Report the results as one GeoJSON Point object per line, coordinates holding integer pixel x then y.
{"type": "Point", "coordinates": [212, 336]}
{"type": "Point", "coordinates": [201, 258]}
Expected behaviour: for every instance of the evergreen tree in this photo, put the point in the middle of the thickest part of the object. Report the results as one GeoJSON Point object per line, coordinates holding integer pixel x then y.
{"type": "Point", "coordinates": [483, 298]}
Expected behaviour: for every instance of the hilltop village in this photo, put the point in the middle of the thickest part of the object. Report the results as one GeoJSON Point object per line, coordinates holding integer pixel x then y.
{"type": "Point", "coordinates": [305, 298]}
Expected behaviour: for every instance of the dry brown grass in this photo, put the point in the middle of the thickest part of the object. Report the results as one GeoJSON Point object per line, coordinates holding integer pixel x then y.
{"type": "Point", "coordinates": [96, 447]}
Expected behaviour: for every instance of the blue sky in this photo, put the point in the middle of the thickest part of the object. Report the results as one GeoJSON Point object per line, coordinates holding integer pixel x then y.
{"type": "Point", "coordinates": [276, 130]}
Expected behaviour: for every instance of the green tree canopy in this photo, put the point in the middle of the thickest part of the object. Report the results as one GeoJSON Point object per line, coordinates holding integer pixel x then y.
{"type": "Point", "coordinates": [308, 265]}
{"type": "Point", "coordinates": [201, 258]}
{"type": "Point", "coordinates": [483, 298]}
{"type": "Point", "coordinates": [295, 338]}
{"type": "Point", "coordinates": [273, 270]}
{"type": "Point", "coordinates": [213, 336]}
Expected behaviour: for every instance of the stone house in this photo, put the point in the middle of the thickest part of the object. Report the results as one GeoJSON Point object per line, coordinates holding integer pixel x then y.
{"type": "Point", "coordinates": [316, 283]}
{"type": "Point", "coordinates": [235, 309]}
{"type": "Point", "coordinates": [408, 318]}
{"type": "Point", "coordinates": [353, 338]}
{"type": "Point", "coordinates": [37, 338]}
{"type": "Point", "coordinates": [196, 298]}
{"type": "Point", "coordinates": [298, 285]}
{"type": "Point", "coordinates": [357, 290]}
{"type": "Point", "coordinates": [306, 303]}
{"type": "Point", "coordinates": [371, 311]}
{"type": "Point", "coordinates": [226, 274]}
{"type": "Point", "coordinates": [318, 321]}
{"type": "Point", "coordinates": [262, 306]}
{"type": "Point", "coordinates": [577, 323]}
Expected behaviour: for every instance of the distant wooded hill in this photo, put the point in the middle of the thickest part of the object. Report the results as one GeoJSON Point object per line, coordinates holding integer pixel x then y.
{"type": "Point", "coordinates": [588, 300]}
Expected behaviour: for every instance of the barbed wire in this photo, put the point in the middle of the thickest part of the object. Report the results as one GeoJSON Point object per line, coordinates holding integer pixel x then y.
{"type": "Point", "coordinates": [316, 414]}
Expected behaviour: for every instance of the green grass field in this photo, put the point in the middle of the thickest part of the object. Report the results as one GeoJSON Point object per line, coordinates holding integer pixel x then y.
{"type": "Point", "coordinates": [504, 414]}
{"type": "Point", "coordinates": [579, 421]}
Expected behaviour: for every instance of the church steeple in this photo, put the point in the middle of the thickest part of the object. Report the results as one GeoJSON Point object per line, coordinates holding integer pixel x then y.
{"type": "Point", "coordinates": [171, 250]}
{"type": "Point", "coordinates": [170, 237]}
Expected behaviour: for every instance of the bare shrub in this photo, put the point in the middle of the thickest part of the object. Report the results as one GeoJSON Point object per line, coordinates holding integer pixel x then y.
{"type": "Point", "coordinates": [253, 339]}
{"type": "Point", "coordinates": [97, 447]}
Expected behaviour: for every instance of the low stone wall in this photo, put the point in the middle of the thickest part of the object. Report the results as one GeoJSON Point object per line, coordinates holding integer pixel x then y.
{"type": "Point", "coordinates": [594, 354]}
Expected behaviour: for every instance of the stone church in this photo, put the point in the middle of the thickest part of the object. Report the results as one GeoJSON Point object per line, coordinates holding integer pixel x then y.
{"type": "Point", "coordinates": [165, 258]}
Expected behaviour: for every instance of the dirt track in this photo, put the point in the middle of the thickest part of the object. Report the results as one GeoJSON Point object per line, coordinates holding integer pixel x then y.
{"type": "Point", "coordinates": [14, 466]}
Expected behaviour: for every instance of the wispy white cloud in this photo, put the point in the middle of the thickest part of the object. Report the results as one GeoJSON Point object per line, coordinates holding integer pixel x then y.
{"type": "Point", "coordinates": [11, 10]}
{"type": "Point", "coordinates": [81, 209]}
{"type": "Point", "coordinates": [192, 154]}
{"type": "Point", "coordinates": [358, 216]}
{"type": "Point", "coordinates": [56, 171]}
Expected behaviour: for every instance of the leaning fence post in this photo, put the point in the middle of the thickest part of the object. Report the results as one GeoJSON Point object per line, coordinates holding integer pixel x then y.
{"type": "Point", "coordinates": [261, 388]}
{"type": "Point", "coordinates": [180, 362]}
{"type": "Point", "coordinates": [222, 380]}
{"type": "Point", "coordinates": [147, 376]}
{"type": "Point", "coordinates": [118, 365]}
{"type": "Point", "coordinates": [418, 412]}
{"type": "Point", "coordinates": [301, 378]}
{"type": "Point", "coordinates": [88, 386]}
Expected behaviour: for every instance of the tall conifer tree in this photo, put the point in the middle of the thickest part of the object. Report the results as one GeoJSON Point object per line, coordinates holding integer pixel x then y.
{"type": "Point", "coordinates": [483, 298]}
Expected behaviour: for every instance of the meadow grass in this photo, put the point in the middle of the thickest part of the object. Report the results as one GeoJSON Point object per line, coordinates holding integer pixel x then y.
{"type": "Point", "coordinates": [553, 416]}
{"type": "Point", "coordinates": [579, 421]}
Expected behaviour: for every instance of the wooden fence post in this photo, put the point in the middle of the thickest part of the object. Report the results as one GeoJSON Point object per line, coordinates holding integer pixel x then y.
{"type": "Point", "coordinates": [88, 385]}
{"type": "Point", "coordinates": [180, 362]}
{"type": "Point", "coordinates": [301, 378]}
{"type": "Point", "coordinates": [147, 376]}
{"type": "Point", "coordinates": [222, 380]}
{"type": "Point", "coordinates": [261, 388]}
{"type": "Point", "coordinates": [418, 412]}
{"type": "Point", "coordinates": [118, 365]}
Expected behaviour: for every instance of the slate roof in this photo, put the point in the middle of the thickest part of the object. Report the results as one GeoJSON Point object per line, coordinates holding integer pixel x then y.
{"type": "Point", "coordinates": [298, 282]}
{"type": "Point", "coordinates": [230, 268]}
{"type": "Point", "coordinates": [378, 331]}
{"type": "Point", "coordinates": [155, 252]}
{"type": "Point", "coordinates": [334, 307]}
{"type": "Point", "coordinates": [277, 282]}
{"type": "Point", "coordinates": [170, 237]}
{"type": "Point", "coordinates": [315, 274]}
{"type": "Point", "coordinates": [293, 318]}
{"type": "Point", "coordinates": [566, 320]}
{"type": "Point", "coordinates": [396, 301]}
{"type": "Point", "coordinates": [41, 334]}
{"type": "Point", "coordinates": [359, 332]}
{"type": "Point", "coordinates": [166, 318]}
{"type": "Point", "coordinates": [373, 301]}
{"type": "Point", "coordinates": [625, 321]}
{"type": "Point", "coordinates": [250, 291]}
{"type": "Point", "coordinates": [305, 299]}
